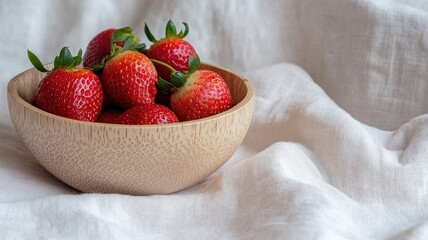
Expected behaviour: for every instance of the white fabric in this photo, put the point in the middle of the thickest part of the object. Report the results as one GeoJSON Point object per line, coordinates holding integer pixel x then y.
{"type": "Point", "coordinates": [338, 144]}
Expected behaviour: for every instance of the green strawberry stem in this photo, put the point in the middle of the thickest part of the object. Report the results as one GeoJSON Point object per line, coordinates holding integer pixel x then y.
{"type": "Point", "coordinates": [163, 64]}
{"type": "Point", "coordinates": [194, 63]}
{"type": "Point", "coordinates": [63, 61]}
{"type": "Point", "coordinates": [178, 79]}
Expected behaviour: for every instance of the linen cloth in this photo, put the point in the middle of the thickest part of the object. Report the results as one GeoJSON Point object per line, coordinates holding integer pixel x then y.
{"type": "Point", "coordinates": [338, 145]}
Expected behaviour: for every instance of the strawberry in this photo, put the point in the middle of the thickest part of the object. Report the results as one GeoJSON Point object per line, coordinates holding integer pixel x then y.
{"type": "Point", "coordinates": [68, 91]}
{"type": "Point", "coordinates": [129, 79]}
{"type": "Point", "coordinates": [109, 116]}
{"type": "Point", "coordinates": [98, 48]}
{"type": "Point", "coordinates": [172, 49]}
{"type": "Point", "coordinates": [147, 114]}
{"type": "Point", "coordinates": [196, 94]}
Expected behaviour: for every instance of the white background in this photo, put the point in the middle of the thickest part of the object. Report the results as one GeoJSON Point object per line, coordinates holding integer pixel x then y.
{"type": "Point", "coordinates": [337, 147]}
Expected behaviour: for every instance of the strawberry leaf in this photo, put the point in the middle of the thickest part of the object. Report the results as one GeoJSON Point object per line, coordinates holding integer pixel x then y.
{"type": "Point", "coordinates": [170, 30]}
{"type": "Point", "coordinates": [121, 34]}
{"type": "Point", "coordinates": [113, 52]}
{"type": "Point", "coordinates": [194, 63]}
{"type": "Point", "coordinates": [65, 60]}
{"type": "Point", "coordinates": [182, 34]}
{"type": "Point", "coordinates": [65, 57]}
{"type": "Point", "coordinates": [149, 34]}
{"type": "Point", "coordinates": [133, 44]}
{"type": "Point", "coordinates": [36, 62]}
{"type": "Point", "coordinates": [130, 41]}
{"type": "Point", "coordinates": [178, 79]}
{"type": "Point", "coordinates": [77, 59]}
{"type": "Point", "coordinates": [164, 86]}
{"type": "Point", "coordinates": [58, 59]}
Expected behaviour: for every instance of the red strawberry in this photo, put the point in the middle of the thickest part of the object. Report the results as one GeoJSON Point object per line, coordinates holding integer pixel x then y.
{"type": "Point", "coordinates": [68, 91]}
{"type": "Point", "coordinates": [98, 48]}
{"type": "Point", "coordinates": [129, 79]}
{"type": "Point", "coordinates": [109, 116]}
{"type": "Point", "coordinates": [172, 49]}
{"type": "Point", "coordinates": [198, 94]}
{"type": "Point", "coordinates": [147, 114]}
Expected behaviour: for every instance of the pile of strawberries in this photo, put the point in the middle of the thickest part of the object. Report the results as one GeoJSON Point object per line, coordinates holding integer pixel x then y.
{"type": "Point", "coordinates": [122, 82]}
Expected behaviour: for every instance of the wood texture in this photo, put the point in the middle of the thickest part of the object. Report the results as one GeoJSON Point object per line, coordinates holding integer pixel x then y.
{"type": "Point", "coordinates": [136, 160]}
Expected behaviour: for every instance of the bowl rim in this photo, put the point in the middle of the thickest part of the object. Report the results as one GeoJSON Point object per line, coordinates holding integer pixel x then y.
{"type": "Point", "coordinates": [249, 96]}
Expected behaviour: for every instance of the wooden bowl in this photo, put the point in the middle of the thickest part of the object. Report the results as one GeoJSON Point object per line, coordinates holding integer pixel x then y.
{"type": "Point", "coordinates": [130, 159]}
